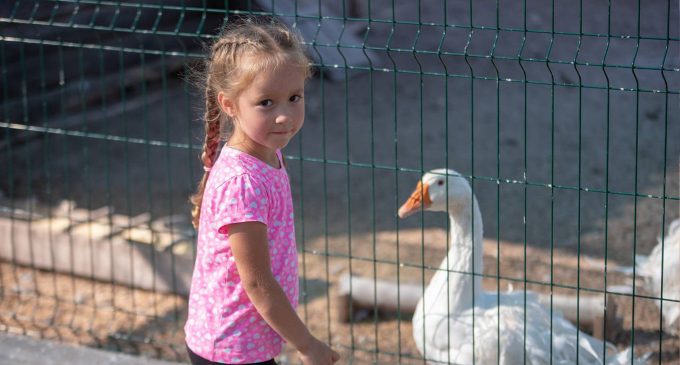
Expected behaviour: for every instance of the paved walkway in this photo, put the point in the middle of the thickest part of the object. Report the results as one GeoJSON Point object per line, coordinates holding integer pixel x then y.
{"type": "Point", "coordinates": [24, 350]}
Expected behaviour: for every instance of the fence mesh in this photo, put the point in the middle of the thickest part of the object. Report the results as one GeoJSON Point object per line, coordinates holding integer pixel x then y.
{"type": "Point", "coordinates": [561, 115]}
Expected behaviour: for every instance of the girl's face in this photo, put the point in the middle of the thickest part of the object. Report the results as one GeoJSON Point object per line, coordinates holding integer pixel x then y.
{"type": "Point", "coordinates": [269, 112]}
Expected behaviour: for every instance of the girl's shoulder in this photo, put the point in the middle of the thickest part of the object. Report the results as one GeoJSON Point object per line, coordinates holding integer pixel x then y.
{"type": "Point", "coordinates": [233, 163]}
{"type": "Point", "coordinates": [247, 163]}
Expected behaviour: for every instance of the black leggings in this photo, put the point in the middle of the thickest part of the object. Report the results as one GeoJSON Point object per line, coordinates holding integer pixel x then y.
{"type": "Point", "coordinates": [197, 360]}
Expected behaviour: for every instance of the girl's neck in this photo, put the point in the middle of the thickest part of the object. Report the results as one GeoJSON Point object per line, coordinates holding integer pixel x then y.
{"type": "Point", "coordinates": [254, 149]}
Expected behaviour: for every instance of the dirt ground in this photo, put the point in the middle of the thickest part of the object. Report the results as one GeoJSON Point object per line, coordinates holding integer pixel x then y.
{"type": "Point", "coordinates": [573, 158]}
{"type": "Point", "coordinates": [114, 317]}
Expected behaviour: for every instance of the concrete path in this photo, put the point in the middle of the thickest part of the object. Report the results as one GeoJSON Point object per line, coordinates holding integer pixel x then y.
{"type": "Point", "coordinates": [24, 350]}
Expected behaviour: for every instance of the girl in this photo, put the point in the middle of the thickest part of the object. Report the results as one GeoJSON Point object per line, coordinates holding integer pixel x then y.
{"type": "Point", "coordinates": [244, 288]}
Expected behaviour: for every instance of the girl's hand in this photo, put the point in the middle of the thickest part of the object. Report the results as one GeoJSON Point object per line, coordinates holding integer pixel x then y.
{"type": "Point", "coordinates": [318, 353]}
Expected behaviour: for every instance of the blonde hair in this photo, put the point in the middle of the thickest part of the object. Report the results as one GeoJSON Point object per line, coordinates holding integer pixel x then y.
{"type": "Point", "coordinates": [268, 44]}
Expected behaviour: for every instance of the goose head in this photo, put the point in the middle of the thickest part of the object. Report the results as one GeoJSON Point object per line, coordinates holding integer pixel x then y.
{"type": "Point", "coordinates": [445, 190]}
{"type": "Point", "coordinates": [440, 190]}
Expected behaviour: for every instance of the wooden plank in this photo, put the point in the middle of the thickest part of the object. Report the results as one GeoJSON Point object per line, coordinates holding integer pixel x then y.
{"type": "Point", "coordinates": [88, 253]}
{"type": "Point", "coordinates": [381, 295]}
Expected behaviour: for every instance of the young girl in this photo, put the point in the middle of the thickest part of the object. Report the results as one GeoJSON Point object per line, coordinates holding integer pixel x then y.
{"type": "Point", "coordinates": [244, 289]}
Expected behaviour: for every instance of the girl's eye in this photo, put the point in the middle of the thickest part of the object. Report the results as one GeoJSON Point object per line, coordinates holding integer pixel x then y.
{"type": "Point", "coordinates": [295, 98]}
{"type": "Point", "coordinates": [267, 102]}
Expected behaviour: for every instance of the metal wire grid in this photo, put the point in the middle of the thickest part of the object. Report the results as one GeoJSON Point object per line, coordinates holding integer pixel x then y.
{"type": "Point", "coordinates": [49, 106]}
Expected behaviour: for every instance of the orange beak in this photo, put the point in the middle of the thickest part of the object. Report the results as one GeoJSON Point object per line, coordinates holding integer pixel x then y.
{"type": "Point", "coordinates": [420, 199]}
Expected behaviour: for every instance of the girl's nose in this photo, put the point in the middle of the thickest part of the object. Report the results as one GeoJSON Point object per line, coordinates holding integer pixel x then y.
{"type": "Point", "coordinates": [283, 118]}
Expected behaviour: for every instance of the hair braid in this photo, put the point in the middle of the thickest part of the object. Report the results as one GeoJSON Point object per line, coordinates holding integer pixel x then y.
{"type": "Point", "coordinates": [210, 144]}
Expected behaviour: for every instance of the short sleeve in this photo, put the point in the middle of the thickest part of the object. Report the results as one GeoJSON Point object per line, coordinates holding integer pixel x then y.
{"type": "Point", "coordinates": [240, 199]}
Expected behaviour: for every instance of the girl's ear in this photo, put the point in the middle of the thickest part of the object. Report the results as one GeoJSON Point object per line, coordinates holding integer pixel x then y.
{"type": "Point", "coordinates": [226, 105]}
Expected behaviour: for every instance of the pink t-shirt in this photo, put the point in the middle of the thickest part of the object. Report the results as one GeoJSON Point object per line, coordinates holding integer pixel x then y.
{"type": "Point", "coordinates": [223, 325]}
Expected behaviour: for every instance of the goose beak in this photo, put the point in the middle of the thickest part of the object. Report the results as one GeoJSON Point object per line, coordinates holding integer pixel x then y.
{"type": "Point", "coordinates": [420, 199]}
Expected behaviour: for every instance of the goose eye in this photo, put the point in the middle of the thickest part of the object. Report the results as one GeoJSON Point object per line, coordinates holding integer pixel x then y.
{"type": "Point", "coordinates": [440, 182]}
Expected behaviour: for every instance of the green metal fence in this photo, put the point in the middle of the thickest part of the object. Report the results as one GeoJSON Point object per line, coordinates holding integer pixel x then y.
{"type": "Point", "coordinates": [563, 116]}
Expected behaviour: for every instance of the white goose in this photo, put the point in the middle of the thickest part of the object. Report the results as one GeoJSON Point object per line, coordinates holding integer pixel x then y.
{"type": "Point", "coordinates": [649, 268]}
{"type": "Point", "coordinates": [443, 326]}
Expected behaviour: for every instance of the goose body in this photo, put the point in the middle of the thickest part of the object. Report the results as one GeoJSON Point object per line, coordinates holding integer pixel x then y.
{"type": "Point", "coordinates": [456, 321]}
{"type": "Point", "coordinates": [649, 268]}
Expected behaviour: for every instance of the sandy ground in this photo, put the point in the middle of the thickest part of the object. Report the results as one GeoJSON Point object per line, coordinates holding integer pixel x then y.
{"type": "Point", "coordinates": [114, 317]}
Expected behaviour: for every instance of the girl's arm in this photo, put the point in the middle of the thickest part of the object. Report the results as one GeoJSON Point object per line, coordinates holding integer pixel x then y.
{"type": "Point", "coordinates": [250, 247]}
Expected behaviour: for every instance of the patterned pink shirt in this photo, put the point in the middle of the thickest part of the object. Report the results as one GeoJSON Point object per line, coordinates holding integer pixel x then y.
{"type": "Point", "coordinates": [223, 325]}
